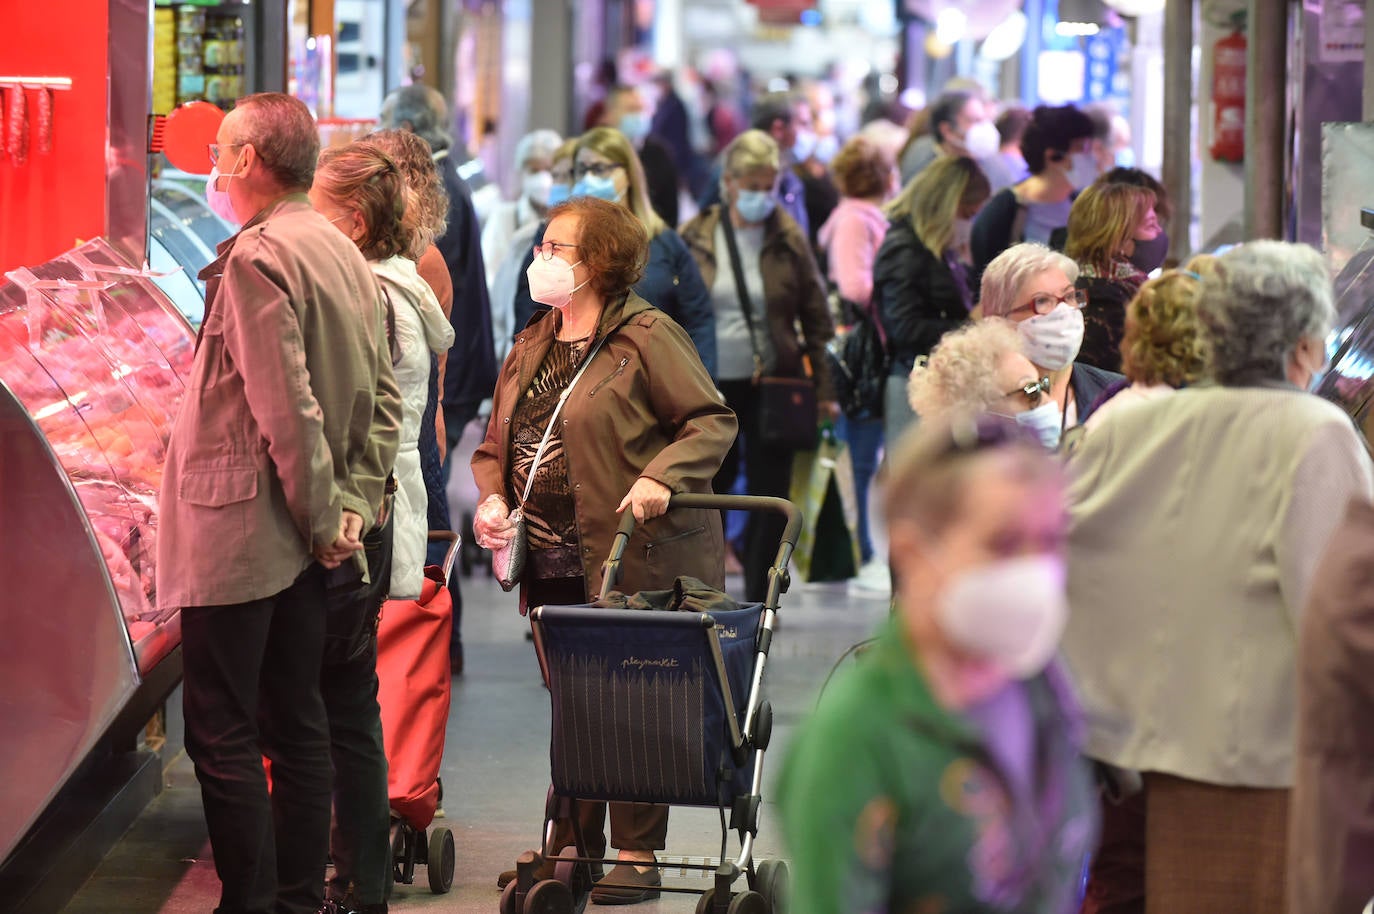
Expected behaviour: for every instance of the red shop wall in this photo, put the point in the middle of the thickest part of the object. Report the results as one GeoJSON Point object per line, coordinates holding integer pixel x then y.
{"type": "Point", "coordinates": [54, 199]}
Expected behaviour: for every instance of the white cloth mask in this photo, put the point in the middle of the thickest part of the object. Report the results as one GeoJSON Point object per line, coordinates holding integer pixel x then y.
{"type": "Point", "coordinates": [536, 186]}
{"type": "Point", "coordinates": [982, 140]}
{"type": "Point", "coordinates": [552, 281]}
{"type": "Point", "coordinates": [1082, 170]}
{"type": "Point", "coordinates": [1011, 611]}
{"type": "Point", "coordinates": [1052, 340]}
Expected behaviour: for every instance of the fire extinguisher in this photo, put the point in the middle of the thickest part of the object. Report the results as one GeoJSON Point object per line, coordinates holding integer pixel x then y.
{"type": "Point", "coordinates": [1228, 98]}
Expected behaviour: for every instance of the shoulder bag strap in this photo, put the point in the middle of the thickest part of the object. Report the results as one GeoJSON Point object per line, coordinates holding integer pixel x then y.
{"type": "Point", "coordinates": [741, 290]}
{"type": "Point", "coordinates": [548, 432]}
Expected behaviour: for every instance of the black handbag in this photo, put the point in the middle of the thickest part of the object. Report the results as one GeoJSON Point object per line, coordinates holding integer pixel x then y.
{"type": "Point", "coordinates": [786, 406]}
{"type": "Point", "coordinates": [860, 363]}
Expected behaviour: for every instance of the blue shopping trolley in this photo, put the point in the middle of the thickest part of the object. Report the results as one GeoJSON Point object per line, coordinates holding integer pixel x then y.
{"type": "Point", "coordinates": [659, 707]}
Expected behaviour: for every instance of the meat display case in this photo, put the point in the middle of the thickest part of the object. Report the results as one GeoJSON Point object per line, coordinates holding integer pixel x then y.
{"type": "Point", "coordinates": [93, 357]}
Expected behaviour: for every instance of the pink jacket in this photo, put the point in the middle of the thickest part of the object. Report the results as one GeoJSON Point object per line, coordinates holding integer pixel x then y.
{"type": "Point", "coordinates": [851, 238]}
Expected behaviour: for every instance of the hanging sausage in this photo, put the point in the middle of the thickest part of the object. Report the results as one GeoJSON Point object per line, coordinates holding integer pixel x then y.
{"type": "Point", "coordinates": [44, 120]}
{"type": "Point", "coordinates": [17, 125]}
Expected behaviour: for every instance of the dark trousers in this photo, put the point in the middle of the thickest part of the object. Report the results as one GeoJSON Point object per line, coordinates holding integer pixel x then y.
{"type": "Point", "coordinates": [456, 418]}
{"type": "Point", "coordinates": [767, 471]}
{"type": "Point", "coordinates": [634, 826]}
{"type": "Point", "coordinates": [360, 840]}
{"type": "Point", "coordinates": [252, 688]}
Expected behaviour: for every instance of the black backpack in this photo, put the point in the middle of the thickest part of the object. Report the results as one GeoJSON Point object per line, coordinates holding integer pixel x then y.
{"type": "Point", "coordinates": [859, 363]}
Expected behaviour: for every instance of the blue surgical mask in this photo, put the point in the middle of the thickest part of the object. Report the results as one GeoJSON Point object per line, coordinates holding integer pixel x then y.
{"type": "Point", "coordinates": [635, 125]}
{"type": "Point", "coordinates": [755, 205]}
{"type": "Point", "coordinates": [558, 193]}
{"type": "Point", "coordinates": [590, 185]}
{"type": "Point", "coordinates": [1046, 421]}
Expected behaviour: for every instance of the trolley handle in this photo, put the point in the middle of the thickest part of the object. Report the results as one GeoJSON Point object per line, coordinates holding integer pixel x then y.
{"type": "Point", "coordinates": [454, 541]}
{"type": "Point", "coordinates": [610, 569]}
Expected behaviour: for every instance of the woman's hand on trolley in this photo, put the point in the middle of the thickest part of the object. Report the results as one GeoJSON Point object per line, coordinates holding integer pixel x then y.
{"type": "Point", "coordinates": [491, 523]}
{"type": "Point", "coordinates": [647, 498]}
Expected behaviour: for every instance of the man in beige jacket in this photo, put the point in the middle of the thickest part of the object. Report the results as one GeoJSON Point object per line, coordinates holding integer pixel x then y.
{"type": "Point", "coordinates": [275, 467]}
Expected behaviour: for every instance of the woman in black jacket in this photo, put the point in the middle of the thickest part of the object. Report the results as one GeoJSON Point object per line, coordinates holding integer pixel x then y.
{"type": "Point", "coordinates": [921, 285]}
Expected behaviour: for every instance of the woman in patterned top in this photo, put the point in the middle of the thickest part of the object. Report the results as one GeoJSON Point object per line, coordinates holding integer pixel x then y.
{"type": "Point", "coordinates": [644, 421]}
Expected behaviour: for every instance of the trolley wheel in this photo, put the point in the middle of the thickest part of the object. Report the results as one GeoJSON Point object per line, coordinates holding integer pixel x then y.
{"type": "Point", "coordinates": [549, 896]}
{"type": "Point", "coordinates": [747, 903]}
{"type": "Point", "coordinates": [402, 870]}
{"type": "Point", "coordinates": [706, 900]}
{"type": "Point", "coordinates": [442, 860]}
{"type": "Point", "coordinates": [773, 884]}
{"type": "Point", "coordinates": [508, 898]}
{"type": "Point", "coordinates": [576, 876]}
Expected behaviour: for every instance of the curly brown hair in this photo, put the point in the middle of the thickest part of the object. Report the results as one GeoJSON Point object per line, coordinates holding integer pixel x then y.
{"type": "Point", "coordinates": [614, 245]}
{"type": "Point", "coordinates": [862, 169]}
{"type": "Point", "coordinates": [361, 177]}
{"type": "Point", "coordinates": [426, 199]}
{"type": "Point", "coordinates": [1163, 342]}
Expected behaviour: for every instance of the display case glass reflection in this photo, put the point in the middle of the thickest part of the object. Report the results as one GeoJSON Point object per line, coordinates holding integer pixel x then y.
{"type": "Point", "coordinates": [97, 355]}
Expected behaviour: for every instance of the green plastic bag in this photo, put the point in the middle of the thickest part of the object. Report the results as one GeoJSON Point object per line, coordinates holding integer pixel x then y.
{"type": "Point", "coordinates": [823, 487]}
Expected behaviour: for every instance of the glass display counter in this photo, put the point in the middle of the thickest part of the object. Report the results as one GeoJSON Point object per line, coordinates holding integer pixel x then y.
{"type": "Point", "coordinates": [1349, 381]}
{"type": "Point", "coordinates": [92, 361]}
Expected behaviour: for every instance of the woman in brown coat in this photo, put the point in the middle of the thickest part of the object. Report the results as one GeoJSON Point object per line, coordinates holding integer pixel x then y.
{"type": "Point", "coordinates": [643, 422]}
{"type": "Point", "coordinates": [784, 292]}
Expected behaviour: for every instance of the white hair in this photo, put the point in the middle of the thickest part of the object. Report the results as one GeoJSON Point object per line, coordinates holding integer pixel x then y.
{"type": "Point", "coordinates": [1011, 270]}
{"type": "Point", "coordinates": [1261, 299]}
{"type": "Point", "coordinates": [960, 377]}
{"type": "Point", "coordinates": [538, 144]}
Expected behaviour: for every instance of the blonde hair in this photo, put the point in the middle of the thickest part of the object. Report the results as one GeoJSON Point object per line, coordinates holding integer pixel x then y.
{"type": "Point", "coordinates": [1163, 342]}
{"type": "Point", "coordinates": [960, 377]}
{"type": "Point", "coordinates": [933, 198]}
{"type": "Point", "coordinates": [611, 143]}
{"type": "Point", "coordinates": [750, 151]}
{"type": "Point", "coordinates": [363, 178]}
{"type": "Point", "coordinates": [1102, 221]}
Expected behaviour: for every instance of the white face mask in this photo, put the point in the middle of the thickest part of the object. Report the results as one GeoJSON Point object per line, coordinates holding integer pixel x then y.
{"type": "Point", "coordinates": [552, 281]}
{"type": "Point", "coordinates": [1046, 421]}
{"type": "Point", "coordinates": [1011, 611]}
{"type": "Point", "coordinates": [982, 140]}
{"type": "Point", "coordinates": [1052, 340]}
{"type": "Point", "coordinates": [536, 186]}
{"type": "Point", "coordinates": [1082, 170]}
{"type": "Point", "coordinates": [218, 199]}
{"type": "Point", "coordinates": [805, 147]}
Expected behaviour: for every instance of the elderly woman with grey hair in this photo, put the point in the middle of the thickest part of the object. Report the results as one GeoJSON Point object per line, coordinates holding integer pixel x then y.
{"type": "Point", "coordinates": [976, 369]}
{"type": "Point", "coordinates": [1196, 524]}
{"type": "Point", "coordinates": [1033, 287]}
{"type": "Point", "coordinates": [534, 156]}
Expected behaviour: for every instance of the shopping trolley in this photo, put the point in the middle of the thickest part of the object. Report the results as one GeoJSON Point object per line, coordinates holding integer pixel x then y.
{"type": "Point", "coordinates": [659, 707]}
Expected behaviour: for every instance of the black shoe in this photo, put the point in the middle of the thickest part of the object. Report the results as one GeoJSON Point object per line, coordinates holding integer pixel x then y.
{"type": "Point", "coordinates": [631, 885]}
{"type": "Point", "coordinates": [343, 907]}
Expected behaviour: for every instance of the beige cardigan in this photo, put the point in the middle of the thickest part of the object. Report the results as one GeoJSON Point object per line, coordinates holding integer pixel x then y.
{"type": "Point", "coordinates": [1197, 521]}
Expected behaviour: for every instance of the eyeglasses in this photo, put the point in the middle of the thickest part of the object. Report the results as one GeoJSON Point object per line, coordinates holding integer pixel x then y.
{"type": "Point", "coordinates": [1032, 391]}
{"type": "Point", "coordinates": [549, 248]}
{"type": "Point", "coordinates": [216, 148]}
{"type": "Point", "coordinates": [600, 169]}
{"type": "Point", "coordinates": [1044, 303]}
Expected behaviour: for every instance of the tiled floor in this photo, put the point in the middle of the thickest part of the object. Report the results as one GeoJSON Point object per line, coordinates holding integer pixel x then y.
{"type": "Point", "coordinates": [495, 768]}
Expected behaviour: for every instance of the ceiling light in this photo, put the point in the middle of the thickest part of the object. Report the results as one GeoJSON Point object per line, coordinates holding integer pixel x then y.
{"type": "Point", "coordinates": [1005, 39]}
{"type": "Point", "coordinates": [950, 25]}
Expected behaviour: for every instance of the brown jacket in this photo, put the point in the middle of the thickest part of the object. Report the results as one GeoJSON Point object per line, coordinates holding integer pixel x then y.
{"type": "Point", "coordinates": [1331, 816]}
{"type": "Point", "coordinates": [792, 289]}
{"type": "Point", "coordinates": [644, 407]}
{"type": "Point", "coordinates": [291, 413]}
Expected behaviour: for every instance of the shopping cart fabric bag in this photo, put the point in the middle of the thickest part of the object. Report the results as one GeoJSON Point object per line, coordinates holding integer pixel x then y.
{"type": "Point", "coordinates": [640, 708]}
{"type": "Point", "coordinates": [413, 686]}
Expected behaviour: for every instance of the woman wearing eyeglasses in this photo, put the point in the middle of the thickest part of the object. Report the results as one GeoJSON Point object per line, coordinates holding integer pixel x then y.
{"type": "Point", "coordinates": [606, 166]}
{"type": "Point", "coordinates": [642, 421]}
{"type": "Point", "coordinates": [921, 286]}
{"type": "Point", "coordinates": [977, 369]}
{"type": "Point", "coordinates": [1033, 287]}
{"type": "Point", "coordinates": [1105, 223]}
